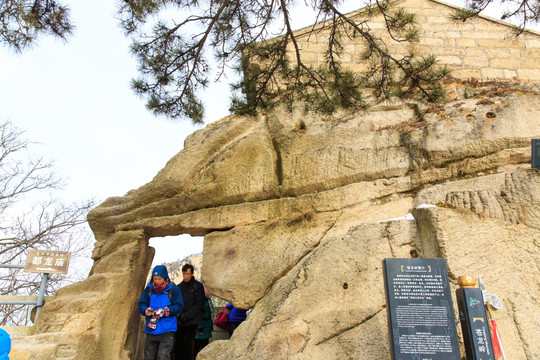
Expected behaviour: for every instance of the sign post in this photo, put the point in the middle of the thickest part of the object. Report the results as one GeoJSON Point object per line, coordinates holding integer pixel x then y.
{"type": "Point", "coordinates": [421, 318]}
{"type": "Point", "coordinates": [47, 261]}
{"type": "Point", "coordinates": [474, 323]}
{"type": "Point", "coordinates": [535, 153]}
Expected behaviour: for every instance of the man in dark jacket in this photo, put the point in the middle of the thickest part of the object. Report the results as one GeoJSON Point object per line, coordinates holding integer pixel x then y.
{"type": "Point", "coordinates": [192, 314]}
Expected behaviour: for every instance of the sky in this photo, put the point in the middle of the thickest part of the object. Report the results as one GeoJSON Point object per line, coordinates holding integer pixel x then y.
{"type": "Point", "coordinates": [74, 100]}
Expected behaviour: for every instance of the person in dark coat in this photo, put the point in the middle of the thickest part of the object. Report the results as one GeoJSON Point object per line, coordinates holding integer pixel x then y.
{"type": "Point", "coordinates": [191, 316]}
{"type": "Point", "coordinates": [204, 332]}
{"type": "Point", "coordinates": [236, 317]}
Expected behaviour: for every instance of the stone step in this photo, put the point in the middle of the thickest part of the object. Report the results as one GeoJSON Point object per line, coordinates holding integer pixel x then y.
{"type": "Point", "coordinates": [19, 330]}
{"type": "Point", "coordinates": [50, 346]}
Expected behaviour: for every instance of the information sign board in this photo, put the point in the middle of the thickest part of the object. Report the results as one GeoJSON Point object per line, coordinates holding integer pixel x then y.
{"type": "Point", "coordinates": [421, 318]}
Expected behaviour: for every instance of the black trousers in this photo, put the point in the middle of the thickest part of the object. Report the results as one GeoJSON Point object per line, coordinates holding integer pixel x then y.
{"type": "Point", "coordinates": [232, 326]}
{"type": "Point", "coordinates": [199, 345]}
{"type": "Point", "coordinates": [185, 338]}
{"type": "Point", "coordinates": [158, 347]}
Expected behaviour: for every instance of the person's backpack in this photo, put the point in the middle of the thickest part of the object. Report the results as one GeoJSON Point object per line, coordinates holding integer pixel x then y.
{"type": "Point", "coordinates": [168, 292]}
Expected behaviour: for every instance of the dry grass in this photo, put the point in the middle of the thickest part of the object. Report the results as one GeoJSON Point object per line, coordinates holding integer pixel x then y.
{"type": "Point", "coordinates": [294, 218]}
{"type": "Point", "coordinates": [300, 217]}
{"type": "Point", "coordinates": [273, 223]}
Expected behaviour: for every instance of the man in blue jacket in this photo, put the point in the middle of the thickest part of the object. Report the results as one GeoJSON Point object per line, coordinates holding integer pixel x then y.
{"type": "Point", "coordinates": [236, 317]}
{"type": "Point", "coordinates": [160, 302]}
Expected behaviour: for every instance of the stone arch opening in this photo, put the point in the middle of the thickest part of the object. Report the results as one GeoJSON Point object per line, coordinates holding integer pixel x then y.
{"type": "Point", "coordinates": [173, 248]}
{"type": "Point", "coordinates": [170, 250]}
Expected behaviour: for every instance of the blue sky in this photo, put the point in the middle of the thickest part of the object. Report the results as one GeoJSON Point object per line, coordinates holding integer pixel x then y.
{"type": "Point", "coordinates": [74, 100]}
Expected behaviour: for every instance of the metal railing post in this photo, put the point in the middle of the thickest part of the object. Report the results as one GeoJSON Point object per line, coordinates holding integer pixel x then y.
{"type": "Point", "coordinates": [7, 266]}
{"type": "Point", "coordinates": [41, 294]}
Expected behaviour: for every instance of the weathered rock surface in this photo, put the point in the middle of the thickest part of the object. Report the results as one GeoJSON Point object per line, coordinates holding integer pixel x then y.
{"type": "Point", "coordinates": [298, 213]}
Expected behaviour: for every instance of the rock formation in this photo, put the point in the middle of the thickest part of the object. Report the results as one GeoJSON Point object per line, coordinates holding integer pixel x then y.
{"type": "Point", "coordinates": [298, 213]}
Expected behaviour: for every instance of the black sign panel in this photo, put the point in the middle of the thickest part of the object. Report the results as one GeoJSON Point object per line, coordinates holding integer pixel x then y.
{"type": "Point", "coordinates": [535, 153]}
{"type": "Point", "coordinates": [472, 315]}
{"type": "Point", "coordinates": [421, 318]}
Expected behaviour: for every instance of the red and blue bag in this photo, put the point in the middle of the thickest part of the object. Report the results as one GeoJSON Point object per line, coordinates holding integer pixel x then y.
{"type": "Point", "coordinates": [222, 320]}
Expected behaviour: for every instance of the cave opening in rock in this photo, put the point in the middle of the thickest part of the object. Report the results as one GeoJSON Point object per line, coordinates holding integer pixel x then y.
{"type": "Point", "coordinates": [172, 250]}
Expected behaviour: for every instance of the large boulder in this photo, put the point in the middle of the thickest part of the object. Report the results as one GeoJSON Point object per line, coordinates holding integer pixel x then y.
{"type": "Point", "coordinates": [298, 213]}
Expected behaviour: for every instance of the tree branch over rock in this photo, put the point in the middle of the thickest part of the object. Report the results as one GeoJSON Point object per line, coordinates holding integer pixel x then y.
{"type": "Point", "coordinates": [183, 45]}
{"type": "Point", "coordinates": [257, 39]}
{"type": "Point", "coordinates": [520, 12]}
{"type": "Point", "coordinates": [23, 21]}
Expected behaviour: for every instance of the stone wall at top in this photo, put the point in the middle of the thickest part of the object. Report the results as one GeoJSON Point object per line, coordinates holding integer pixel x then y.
{"type": "Point", "coordinates": [482, 48]}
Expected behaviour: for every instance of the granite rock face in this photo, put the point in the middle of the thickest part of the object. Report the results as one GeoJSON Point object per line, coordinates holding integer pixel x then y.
{"type": "Point", "coordinates": [298, 213]}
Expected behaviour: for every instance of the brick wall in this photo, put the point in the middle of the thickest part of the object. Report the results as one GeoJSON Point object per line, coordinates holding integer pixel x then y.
{"type": "Point", "coordinates": [482, 48]}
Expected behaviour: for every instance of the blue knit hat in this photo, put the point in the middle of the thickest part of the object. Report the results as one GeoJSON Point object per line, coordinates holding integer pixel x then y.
{"type": "Point", "coordinates": [160, 270]}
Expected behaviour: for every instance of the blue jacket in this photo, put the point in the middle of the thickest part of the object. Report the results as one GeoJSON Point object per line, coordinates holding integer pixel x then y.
{"type": "Point", "coordinates": [236, 315]}
{"type": "Point", "coordinates": [5, 345]}
{"type": "Point", "coordinates": [161, 300]}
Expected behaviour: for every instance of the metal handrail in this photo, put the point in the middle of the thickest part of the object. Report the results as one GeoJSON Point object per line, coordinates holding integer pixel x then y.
{"type": "Point", "coordinates": [41, 294]}
{"type": "Point", "coordinates": [12, 266]}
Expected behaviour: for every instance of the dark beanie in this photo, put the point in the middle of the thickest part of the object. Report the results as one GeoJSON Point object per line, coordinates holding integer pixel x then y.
{"type": "Point", "coordinates": [161, 270]}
